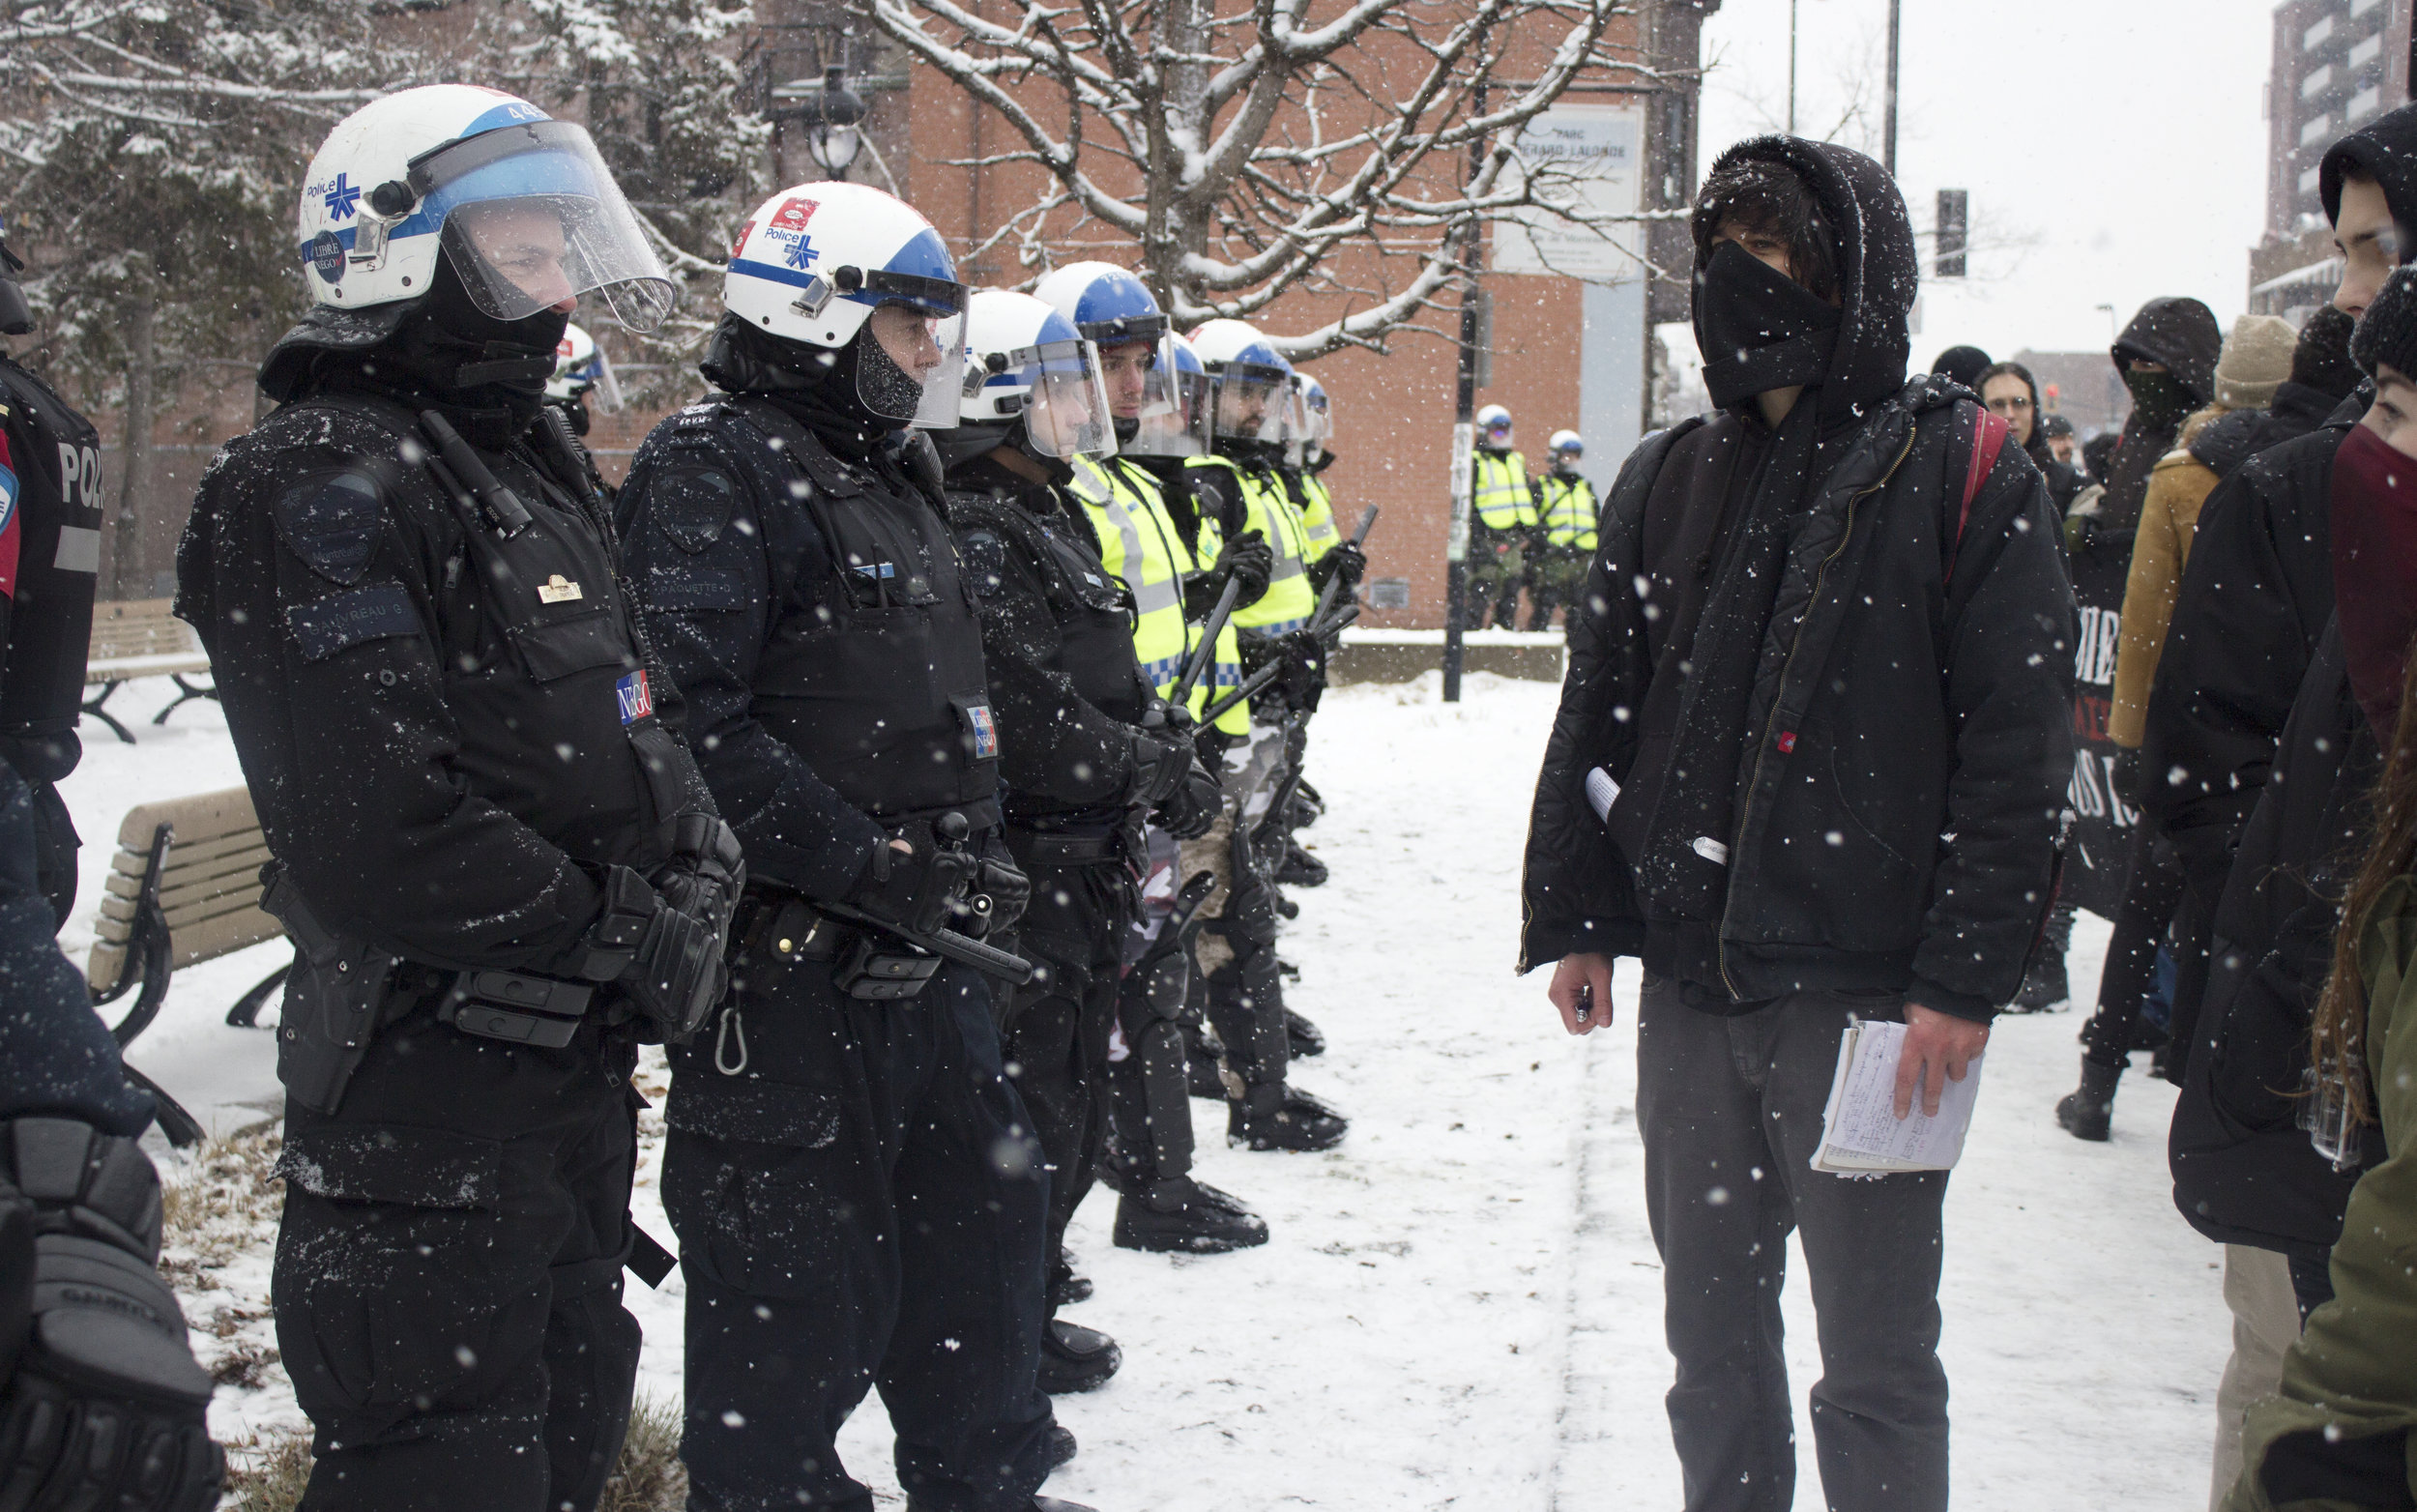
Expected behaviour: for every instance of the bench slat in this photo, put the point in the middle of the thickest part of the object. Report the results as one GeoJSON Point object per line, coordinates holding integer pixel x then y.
{"type": "Point", "coordinates": [209, 883]}
{"type": "Point", "coordinates": [200, 818]}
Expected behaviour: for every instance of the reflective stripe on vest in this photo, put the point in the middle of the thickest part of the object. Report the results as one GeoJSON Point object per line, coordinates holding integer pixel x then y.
{"type": "Point", "coordinates": [1141, 545]}
{"type": "Point", "coordinates": [1569, 511]}
{"type": "Point", "coordinates": [1317, 517]}
{"type": "Point", "coordinates": [1499, 492]}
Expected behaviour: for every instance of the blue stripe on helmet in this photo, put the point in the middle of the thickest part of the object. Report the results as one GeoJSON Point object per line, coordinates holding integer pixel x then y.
{"type": "Point", "coordinates": [926, 256]}
{"type": "Point", "coordinates": [511, 112]}
{"type": "Point", "coordinates": [1116, 295]}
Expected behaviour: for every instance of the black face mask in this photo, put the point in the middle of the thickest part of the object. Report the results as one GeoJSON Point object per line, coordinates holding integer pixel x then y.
{"type": "Point", "coordinates": [2159, 397]}
{"type": "Point", "coordinates": [1758, 328]}
{"type": "Point", "coordinates": [887, 389]}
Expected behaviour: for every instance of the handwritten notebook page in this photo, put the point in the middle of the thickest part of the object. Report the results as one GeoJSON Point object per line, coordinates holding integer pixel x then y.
{"type": "Point", "coordinates": [1860, 1130]}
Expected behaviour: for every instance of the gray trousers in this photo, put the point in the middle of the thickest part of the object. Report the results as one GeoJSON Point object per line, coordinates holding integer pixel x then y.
{"type": "Point", "coordinates": [1731, 1112]}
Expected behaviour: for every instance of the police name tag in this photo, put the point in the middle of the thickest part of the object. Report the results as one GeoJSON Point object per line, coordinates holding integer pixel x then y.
{"type": "Point", "coordinates": [638, 700]}
{"type": "Point", "coordinates": [558, 589]}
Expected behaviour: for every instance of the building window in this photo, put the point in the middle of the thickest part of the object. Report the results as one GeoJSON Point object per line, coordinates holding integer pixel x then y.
{"type": "Point", "coordinates": [2363, 104]}
{"type": "Point", "coordinates": [2366, 52]}
{"type": "Point", "coordinates": [2317, 82]}
{"type": "Point", "coordinates": [2359, 7]}
{"type": "Point", "coordinates": [2318, 35]}
{"type": "Point", "coordinates": [2308, 178]}
{"type": "Point", "coordinates": [2314, 131]}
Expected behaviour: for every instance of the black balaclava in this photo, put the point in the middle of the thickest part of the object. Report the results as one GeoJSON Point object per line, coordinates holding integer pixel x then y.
{"type": "Point", "coordinates": [487, 376]}
{"type": "Point", "coordinates": [815, 384]}
{"type": "Point", "coordinates": [2160, 399]}
{"type": "Point", "coordinates": [1758, 328]}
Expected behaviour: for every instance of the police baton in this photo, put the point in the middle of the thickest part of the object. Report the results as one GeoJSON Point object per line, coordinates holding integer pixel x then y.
{"type": "Point", "coordinates": [963, 949]}
{"type": "Point", "coordinates": [1325, 630]}
{"type": "Point", "coordinates": [1206, 650]}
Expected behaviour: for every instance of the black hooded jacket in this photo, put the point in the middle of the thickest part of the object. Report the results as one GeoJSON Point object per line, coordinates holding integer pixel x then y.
{"type": "Point", "coordinates": [2228, 441]}
{"type": "Point", "coordinates": [1907, 741]}
{"type": "Point", "coordinates": [2183, 336]}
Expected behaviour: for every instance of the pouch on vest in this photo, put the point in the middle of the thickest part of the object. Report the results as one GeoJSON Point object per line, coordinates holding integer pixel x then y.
{"type": "Point", "coordinates": [334, 997]}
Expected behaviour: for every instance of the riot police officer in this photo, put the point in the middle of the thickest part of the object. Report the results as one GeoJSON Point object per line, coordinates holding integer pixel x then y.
{"type": "Point", "coordinates": [1250, 391]}
{"type": "Point", "coordinates": [1158, 395]}
{"type": "Point", "coordinates": [49, 559]}
{"type": "Point", "coordinates": [1330, 555]}
{"type": "Point", "coordinates": [1086, 751]}
{"type": "Point", "coordinates": [1566, 515]}
{"type": "Point", "coordinates": [1502, 521]}
{"type": "Point", "coordinates": [102, 1404]}
{"type": "Point", "coordinates": [851, 1172]}
{"type": "Point", "coordinates": [497, 861]}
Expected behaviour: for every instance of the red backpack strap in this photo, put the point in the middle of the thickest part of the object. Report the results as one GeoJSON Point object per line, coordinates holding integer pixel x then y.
{"type": "Point", "coordinates": [1989, 438]}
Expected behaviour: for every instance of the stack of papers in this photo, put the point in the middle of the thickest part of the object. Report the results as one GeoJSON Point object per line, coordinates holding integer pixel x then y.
{"type": "Point", "coordinates": [1860, 1130]}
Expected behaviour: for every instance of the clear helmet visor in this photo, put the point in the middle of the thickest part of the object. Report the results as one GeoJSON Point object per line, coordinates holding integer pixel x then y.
{"type": "Point", "coordinates": [1067, 406]}
{"type": "Point", "coordinates": [1147, 393]}
{"type": "Point", "coordinates": [911, 363]}
{"type": "Point", "coordinates": [530, 218]}
{"type": "Point", "coordinates": [1251, 403]}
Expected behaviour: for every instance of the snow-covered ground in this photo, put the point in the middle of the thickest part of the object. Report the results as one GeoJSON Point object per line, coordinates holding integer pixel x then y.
{"type": "Point", "coordinates": [1461, 1306]}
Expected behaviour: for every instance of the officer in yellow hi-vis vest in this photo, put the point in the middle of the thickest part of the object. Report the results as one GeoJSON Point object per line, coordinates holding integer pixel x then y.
{"type": "Point", "coordinates": [1250, 395]}
{"type": "Point", "coordinates": [1304, 473]}
{"type": "Point", "coordinates": [1502, 524]}
{"type": "Point", "coordinates": [1566, 513]}
{"type": "Point", "coordinates": [1161, 418]}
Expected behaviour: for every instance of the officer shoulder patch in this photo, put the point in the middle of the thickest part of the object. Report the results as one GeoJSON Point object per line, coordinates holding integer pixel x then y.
{"type": "Point", "coordinates": [332, 522]}
{"type": "Point", "coordinates": [324, 627]}
{"type": "Point", "coordinates": [693, 504]}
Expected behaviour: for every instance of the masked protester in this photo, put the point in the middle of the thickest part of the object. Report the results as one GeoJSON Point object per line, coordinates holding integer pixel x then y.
{"type": "Point", "coordinates": [1774, 850]}
{"type": "Point", "coordinates": [496, 858]}
{"type": "Point", "coordinates": [50, 504]}
{"type": "Point", "coordinates": [1157, 393]}
{"type": "Point", "coordinates": [852, 1174]}
{"type": "Point", "coordinates": [2335, 1428]}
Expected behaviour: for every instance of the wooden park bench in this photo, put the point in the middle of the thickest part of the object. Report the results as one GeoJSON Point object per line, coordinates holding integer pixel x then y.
{"type": "Point", "coordinates": [185, 886]}
{"type": "Point", "coordinates": [139, 638]}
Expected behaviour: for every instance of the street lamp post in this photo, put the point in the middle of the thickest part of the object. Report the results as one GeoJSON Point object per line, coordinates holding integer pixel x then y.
{"type": "Point", "coordinates": [832, 115]}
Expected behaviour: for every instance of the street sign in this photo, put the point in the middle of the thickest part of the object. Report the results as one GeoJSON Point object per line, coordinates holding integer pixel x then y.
{"type": "Point", "coordinates": [1589, 158]}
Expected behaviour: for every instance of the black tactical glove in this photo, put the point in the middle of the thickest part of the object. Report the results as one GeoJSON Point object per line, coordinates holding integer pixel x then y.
{"type": "Point", "coordinates": [669, 960]}
{"type": "Point", "coordinates": [104, 1405]}
{"type": "Point", "coordinates": [1248, 560]}
{"type": "Point", "coordinates": [1346, 558]}
{"type": "Point", "coordinates": [707, 870]}
{"type": "Point", "coordinates": [1193, 806]}
{"type": "Point", "coordinates": [920, 890]}
{"type": "Point", "coordinates": [1160, 759]}
{"type": "Point", "coordinates": [1009, 891]}
{"type": "Point", "coordinates": [1304, 667]}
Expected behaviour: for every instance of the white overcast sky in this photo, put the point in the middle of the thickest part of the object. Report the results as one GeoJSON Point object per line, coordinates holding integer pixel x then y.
{"type": "Point", "coordinates": [2114, 149]}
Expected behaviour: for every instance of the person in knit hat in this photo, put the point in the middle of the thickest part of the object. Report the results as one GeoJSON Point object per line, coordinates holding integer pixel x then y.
{"type": "Point", "coordinates": [1963, 364]}
{"type": "Point", "coordinates": [2322, 376]}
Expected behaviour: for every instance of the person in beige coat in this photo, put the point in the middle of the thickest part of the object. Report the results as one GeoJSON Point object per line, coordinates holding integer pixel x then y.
{"type": "Point", "coordinates": [2256, 360]}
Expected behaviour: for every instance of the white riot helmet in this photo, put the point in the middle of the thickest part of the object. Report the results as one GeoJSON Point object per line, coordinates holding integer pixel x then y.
{"type": "Point", "coordinates": [1567, 447]}
{"type": "Point", "coordinates": [1115, 311]}
{"type": "Point", "coordinates": [580, 366]}
{"type": "Point", "coordinates": [1318, 411]}
{"type": "Point", "coordinates": [520, 204]}
{"type": "Point", "coordinates": [1493, 425]}
{"type": "Point", "coordinates": [1249, 381]}
{"type": "Point", "coordinates": [1025, 362]}
{"type": "Point", "coordinates": [817, 262]}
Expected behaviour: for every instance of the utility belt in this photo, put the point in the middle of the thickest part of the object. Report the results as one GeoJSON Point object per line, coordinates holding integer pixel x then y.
{"type": "Point", "coordinates": [341, 992]}
{"type": "Point", "coordinates": [778, 931]}
{"type": "Point", "coordinates": [1033, 849]}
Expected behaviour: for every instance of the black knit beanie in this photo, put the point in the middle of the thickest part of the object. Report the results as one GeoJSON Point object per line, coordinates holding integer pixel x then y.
{"type": "Point", "coordinates": [2387, 334]}
{"type": "Point", "coordinates": [2322, 359]}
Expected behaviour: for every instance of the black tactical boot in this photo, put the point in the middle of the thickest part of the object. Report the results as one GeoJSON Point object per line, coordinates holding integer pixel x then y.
{"type": "Point", "coordinates": [1062, 1446]}
{"type": "Point", "coordinates": [1282, 1117]}
{"type": "Point", "coordinates": [1300, 868]}
{"type": "Point", "coordinates": [1307, 805]}
{"type": "Point", "coordinates": [2088, 1112]}
{"type": "Point", "coordinates": [1305, 1037]}
{"type": "Point", "coordinates": [1075, 1359]}
{"type": "Point", "coordinates": [1180, 1215]}
{"type": "Point", "coordinates": [1201, 1054]}
{"type": "Point", "coordinates": [2044, 989]}
{"type": "Point", "coordinates": [1065, 1288]}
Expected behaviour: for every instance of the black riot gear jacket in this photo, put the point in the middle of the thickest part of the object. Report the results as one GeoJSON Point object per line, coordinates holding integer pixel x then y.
{"type": "Point", "coordinates": [812, 607]}
{"type": "Point", "coordinates": [450, 733]}
{"type": "Point", "coordinates": [1059, 633]}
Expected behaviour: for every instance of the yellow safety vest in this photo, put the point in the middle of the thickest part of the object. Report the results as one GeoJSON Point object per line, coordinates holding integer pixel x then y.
{"type": "Point", "coordinates": [1317, 515]}
{"type": "Point", "coordinates": [1268, 509]}
{"type": "Point", "coordinates": [1139, 543]}
{"type": "Point", "coordinates": [1499, 490]}
{"type": "Point", "coordinates": [1569, 511]}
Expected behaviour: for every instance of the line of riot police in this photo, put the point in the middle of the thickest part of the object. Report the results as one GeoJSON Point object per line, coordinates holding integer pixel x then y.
{"type": "Point", "coordinates": [913, 746]}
